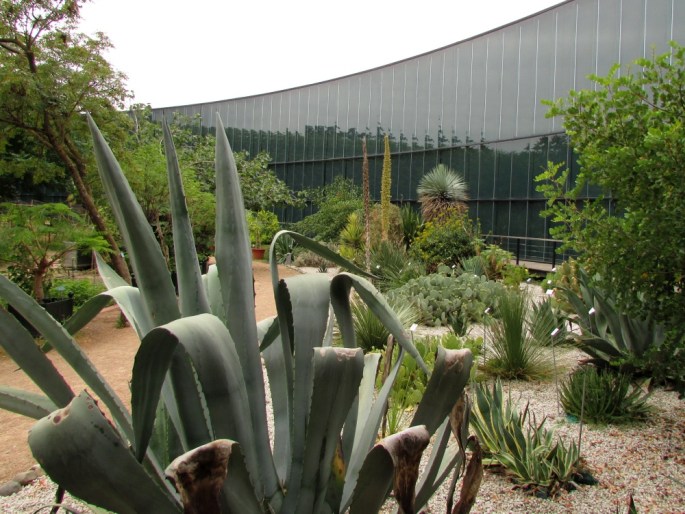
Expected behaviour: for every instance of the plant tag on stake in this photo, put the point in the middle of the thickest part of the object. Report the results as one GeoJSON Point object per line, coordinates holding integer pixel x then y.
{"type": "Point", "coordinates": [555, 331]}
{"type": "Point", "coordinates": [591, 311]}
{"type": "Point", "coordinates": [413, 327]}
{"type": "Point", "coordinates": [549, 292]}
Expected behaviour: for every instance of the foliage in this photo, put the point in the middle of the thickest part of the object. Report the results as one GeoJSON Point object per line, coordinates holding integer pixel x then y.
{"type": "Point", "coordinates": [410, 384]}
{"type": "Point", "coordinates": [629, 137]}
{"type": "Point", "coordinates": [411, 224]}
{"type": "Point", "coordinates": [439, 297]}
{"type": "Point", "coordinates": [495, 260]}
{"type": "Point", "coordinates": [545, 319]}
{"type": "Point", "coordinates": [33, 238]}
{"type": "Point", "coordinates": [524, 447]}
{"type": "Point", "coordinates": [603, 396]}
{"type": "Point", "coordinates": [335, 202]}
{"type": "Point", "coordinates": [513, 352]}
{"type": "Point", "coordinates": [392, 264]}
{"type": "Point", "coordinates": [441, 189]}
{"type": "Point", "coordinates": [49, 75]}
{"type": "Point", "coordinates": [609, 335]}
{"type": "Point", "coordinates": [262, 226]}
{"type": "Point", "coordinates": [310, 259]}
{"type": "Point", "coordinates": [284, 246]}
{"type": "Point", "coordinates": [198, 387]}
{"type": "Point", "coordinates": [262, 189]}
{"type": "Point", "coordinates": [386, 193]}
{"type": "Point", "coordinates": [446, 241]}
{"type": "Point", "coordinates": [80, 289]}
{"type": "Point", "coordinates": [370, 332]}
{"type": "Point", "coordinates": [352, 240]}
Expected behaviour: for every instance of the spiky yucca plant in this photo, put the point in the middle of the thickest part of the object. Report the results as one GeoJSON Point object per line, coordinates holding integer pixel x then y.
{"type": "Point", "coordinates": [440, 191]}
{"type": "Point", "coordinates": [198, 399]}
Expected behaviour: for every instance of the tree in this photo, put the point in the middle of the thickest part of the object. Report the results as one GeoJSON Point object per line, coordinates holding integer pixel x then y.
{"type": "Point", "coordinates": [441, 191]}
{"type": "Point", "coordinates": [630, 141]}
{"type": "Point", "coordinates": [49, 75]}
{"type": "Point", "coordinates": [386, 183]}
{"type": "Point", "coordinates": [35, 237]}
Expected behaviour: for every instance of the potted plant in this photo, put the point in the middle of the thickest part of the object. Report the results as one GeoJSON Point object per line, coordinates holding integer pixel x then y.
{"type": "Point", "coordinates": [34, 238]}
{"type": "Point", "coordinates": [262, 225]}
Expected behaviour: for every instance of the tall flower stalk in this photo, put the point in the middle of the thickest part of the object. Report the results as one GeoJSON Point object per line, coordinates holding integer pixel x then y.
{"type": "Point", "coordinates": [386, 183]}
{"type": "Point", "coordinates": [367, 205]}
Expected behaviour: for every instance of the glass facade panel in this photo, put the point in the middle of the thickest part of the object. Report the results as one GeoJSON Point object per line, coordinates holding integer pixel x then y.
{"type": "Point", "coordinates": [493, 86]}
{"type": "Point", "coordinates": [509, 81]}
{"type": "Point", "coordinates": [632, 30]}
{"type": "Point", "coordinates": [474, 106]}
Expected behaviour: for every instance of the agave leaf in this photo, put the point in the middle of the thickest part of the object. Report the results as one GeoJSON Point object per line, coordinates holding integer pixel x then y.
{"type": "Point", "coordinates": [234, 264]}
{"type": "Point", "coordinates": [109, 277]}
{"type": "Point", "coordinates": [26, 403]}
{"type": "Point", "coordinates": [395, 459]}
{"type": "Point", "coordinates": [202, 474]}
{"type": "Point", "coordinates": [64, 344]}
{"type": "Point", "coordinates": [213, 287]}
{"type": "Point", "coordinates": [192, 296]}
{"type": "Point", "coordinates": [336, 373]}
{"type": "Point", "coordinates": [218, 371]}
{"type": "Point", "coordinates": [267, 332]}
{"type": "Point", "coordinates": [315, 247]}
{"type": "Point", "coordinates": [366, 432]}
{"type": "Point", "coordinates": [22, 349]}
{"type": "Point", "coordinates": [446, 384]}
{"type": "Point", "coordinates": [145, 254]}
{"type": "Point", "coordinates": [363, 403]}
{"type": "Point", "coordinates": [340, 298]}
{"type": "Point", "coordinates": [79, 449]}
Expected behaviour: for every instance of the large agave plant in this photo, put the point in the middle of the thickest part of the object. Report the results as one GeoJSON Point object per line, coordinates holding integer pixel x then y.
{"type": "Point", "coordinates": [198, 408]}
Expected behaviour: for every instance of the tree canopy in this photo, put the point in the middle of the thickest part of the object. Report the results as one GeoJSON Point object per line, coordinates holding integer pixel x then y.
{"type": "Point", "coordinates": [50, 74]}
{"type": "Point", "coordinates": [629, 136]}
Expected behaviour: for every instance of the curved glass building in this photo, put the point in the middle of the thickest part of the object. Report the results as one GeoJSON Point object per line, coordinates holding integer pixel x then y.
{"type": "Point", "coordinates": [474, 106]}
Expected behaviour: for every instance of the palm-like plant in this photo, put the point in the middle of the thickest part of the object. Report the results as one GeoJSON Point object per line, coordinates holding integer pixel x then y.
{"type": "Point", "coordinates": [441, 190]}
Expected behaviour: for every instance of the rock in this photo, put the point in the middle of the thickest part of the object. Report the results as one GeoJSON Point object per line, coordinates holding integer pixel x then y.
{"type": "Point", "coordinates": [9, 488]}
{"type": "Point", "coordinates": [25, 477]}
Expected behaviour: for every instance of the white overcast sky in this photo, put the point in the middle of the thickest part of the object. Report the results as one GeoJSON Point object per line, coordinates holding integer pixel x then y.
{"type": "Point", "coordinates": [178, 52]}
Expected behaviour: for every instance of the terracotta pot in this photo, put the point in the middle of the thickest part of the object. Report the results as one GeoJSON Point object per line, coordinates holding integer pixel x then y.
{"type": "Point", "coordinates": [258, 253]}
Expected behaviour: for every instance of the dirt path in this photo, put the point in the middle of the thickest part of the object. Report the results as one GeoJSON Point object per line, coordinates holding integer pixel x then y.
{"type": "Point", "coordinates": [112, 351]}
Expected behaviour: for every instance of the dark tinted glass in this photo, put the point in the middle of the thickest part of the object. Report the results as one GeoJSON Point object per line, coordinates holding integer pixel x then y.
{"type": "Point", "coordinates": [486, 185]}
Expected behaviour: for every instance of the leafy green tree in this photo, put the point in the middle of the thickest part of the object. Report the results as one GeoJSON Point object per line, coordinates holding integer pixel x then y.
{"type": "Point", "coordinates": [49, 75]}
{"type": "Point", "coordinates": [335, 202]}
{"type": "Point", "coordinates": [629, 136]}
{"type": "Point", "coordinates": [33, 238]}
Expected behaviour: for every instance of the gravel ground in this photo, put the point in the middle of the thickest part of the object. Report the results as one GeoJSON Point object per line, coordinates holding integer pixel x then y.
{"type": "Point", "coordinates": [645, 459]}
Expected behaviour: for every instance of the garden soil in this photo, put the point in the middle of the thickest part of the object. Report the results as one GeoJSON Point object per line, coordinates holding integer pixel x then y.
{"type": "Point", "coordinates": [111, 350]}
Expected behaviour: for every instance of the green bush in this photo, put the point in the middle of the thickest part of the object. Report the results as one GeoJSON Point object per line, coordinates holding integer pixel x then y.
{"type": "Point", "coordinates": [370, 332]}
{"type": "Point", "coordinates": [440, 297]}
{"type": "Point", "coordinates": [335, 202]}
{"type": "Point", "coordinates": [82, 289]}
{"type": "Point", "coordinates": [394, 266]}
{"type": "Point", "coordinates": [411, 382]}
{"type": "Point", "coordinates": [609, 396]}
{"type": "Point", "coordinates": [411, 224]}
{"type": "Point", "coordinates": [514, 353]}
{"type": "Point", "coordinates": [263, 226]}
{"type": "Point", "coordinates": [445, 241]}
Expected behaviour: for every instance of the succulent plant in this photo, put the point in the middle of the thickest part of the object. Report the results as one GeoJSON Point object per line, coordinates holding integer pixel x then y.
{"type": "Point", "coordinates": [198, 407]}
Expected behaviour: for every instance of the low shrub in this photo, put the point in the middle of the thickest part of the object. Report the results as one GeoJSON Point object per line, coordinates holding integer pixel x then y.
{"type": "Point", "coordinates": [81, 289]}
{"type": "Point", "coordinates": [370, 332]}
{"type": "Point", "coordinates": [527, 449]}
{"type": "Point", "coordinates": [442, 297]}
{"type": "Point", "coordinates": [393, 266]}
{"type": "Point", "coordinates": [610, 397]}
{"type": "Point", "coordinates": [446, 241]}
{"type": "Point", "coordinates": [514, 353]}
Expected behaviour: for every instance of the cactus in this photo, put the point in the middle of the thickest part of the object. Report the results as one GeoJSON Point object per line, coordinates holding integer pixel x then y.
{"type": "Point", "coordinates": [198, 413]}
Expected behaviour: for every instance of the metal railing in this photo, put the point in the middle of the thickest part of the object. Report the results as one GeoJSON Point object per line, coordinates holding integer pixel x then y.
{"type": "Point", "coordinates": [531, 249]}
